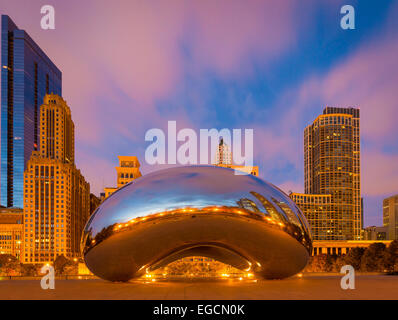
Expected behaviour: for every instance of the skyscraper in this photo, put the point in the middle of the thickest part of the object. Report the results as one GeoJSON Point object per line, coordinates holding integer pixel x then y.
{"type": "Point", "coordinates": [224, 159]}
{"type": "Point", "coordinates": [56, 195]}
{"type": "Point", "coordinates": [27, 74]}
{"type": "Point", "coordinates": [390, 217]}
{"type": "Point", "coordinates": [223, 155]}
{"type": "Point", "coordinates": [57, 140]}
{"type": "Point", "coordinates": [332, 167]}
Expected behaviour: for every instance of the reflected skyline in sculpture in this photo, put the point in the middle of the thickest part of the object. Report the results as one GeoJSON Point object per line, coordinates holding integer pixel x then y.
{"type": "Point", "coordinates": [240, 220]}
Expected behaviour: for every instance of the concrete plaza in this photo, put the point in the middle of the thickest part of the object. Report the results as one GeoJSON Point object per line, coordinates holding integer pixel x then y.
{"type": "Point", "coordinates": [307, 287]}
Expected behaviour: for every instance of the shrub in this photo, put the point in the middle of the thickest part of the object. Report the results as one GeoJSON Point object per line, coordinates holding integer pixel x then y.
{"type": "Point", "coordinates": [374, 258]}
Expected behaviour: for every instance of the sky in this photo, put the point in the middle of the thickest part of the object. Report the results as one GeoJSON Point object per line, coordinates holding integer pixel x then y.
{"type": "Point", "coordinates": [271, 66]}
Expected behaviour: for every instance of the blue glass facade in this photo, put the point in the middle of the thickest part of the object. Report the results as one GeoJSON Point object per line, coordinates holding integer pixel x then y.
{"type": "Point", "coordinates": [27, 74]}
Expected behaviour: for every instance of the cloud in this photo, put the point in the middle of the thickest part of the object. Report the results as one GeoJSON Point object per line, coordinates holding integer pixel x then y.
{"type": "Point", "coordinates": [291, 186]}
{"type": "Point", "coordinates": [229, 35]}
{"type": "Point", "coordinates": [366, 79]}
{"type": "Point", "coordinates": [379, 173]}
{"type": "Point", "coordinates": [123, 60]}
{"type": "Point", "coordinates": [119, 60]}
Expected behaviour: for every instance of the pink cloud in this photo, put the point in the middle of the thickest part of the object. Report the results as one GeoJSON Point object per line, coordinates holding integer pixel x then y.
{"type": "Point", "coordinates": [291, 186]}
{"type": "Point", "coordinates": [368, 80]}
{"type": "Point", "coordinates": [269, 143]}
{"type": "Point", "coordinates": [133, 49]}
{"type": "Point", "coordinates": [99, 171]}
{"type": "Point", "coordinates": [379, 173]}
{"type": "Point", "coordinates": [228, 32]}
{"type": "Point", "coordinates": [119, 59]}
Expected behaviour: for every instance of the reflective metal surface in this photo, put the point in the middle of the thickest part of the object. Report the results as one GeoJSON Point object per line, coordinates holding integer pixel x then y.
{"type": "Point", "coordinates": [206, 211]}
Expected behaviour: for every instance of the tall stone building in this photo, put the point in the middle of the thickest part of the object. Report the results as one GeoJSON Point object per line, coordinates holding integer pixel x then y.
{"type": "Point", "coordinates": [224, 159]}
{"type": "Point", "coordinates": [94, 203]}
{"type": "Point", "coordinates": [56, 195]}
{"type": "Point", "coordinates": [57, 138]}
{"type": "Point", "coordinates": [223, 155]}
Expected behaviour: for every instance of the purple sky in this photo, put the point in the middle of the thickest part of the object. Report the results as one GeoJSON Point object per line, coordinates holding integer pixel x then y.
{"type": "Point", "coordinates": [129, 66]}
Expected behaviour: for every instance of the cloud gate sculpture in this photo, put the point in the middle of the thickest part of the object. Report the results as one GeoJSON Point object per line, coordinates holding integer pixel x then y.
{"type": "Point", "coordinates": [207, 211]}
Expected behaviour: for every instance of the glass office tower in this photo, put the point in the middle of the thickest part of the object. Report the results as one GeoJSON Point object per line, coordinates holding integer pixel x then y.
{"type": "Point", "coordinates": [27, 74]}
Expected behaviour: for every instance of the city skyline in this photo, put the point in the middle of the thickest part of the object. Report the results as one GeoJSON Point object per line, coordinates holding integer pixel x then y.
{"type": "Point", "coordinates": [256, 78]}
{"type": "Point", "coordinates": [197, 150]}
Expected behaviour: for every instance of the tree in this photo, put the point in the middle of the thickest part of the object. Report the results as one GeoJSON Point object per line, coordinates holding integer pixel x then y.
{"type": "Point", "coordinates": [391, 257]}
{"type": "Point", "coordinates": [374, 258]}
{"type": "Point", "coordinates": [338, 263]}
{"type": "Point", "coordinates": [9, 265]}
{"type": "Point", "coordinates": [320, 263]}
{"type": "Point", "coordinates": [64, 266]}
{"type": "Point", "coordinates": [197, 267]}
{"type": "Point", "coordinates": [29, 270]}
{"type": "Point", "coordinates": [353, 257]}
{"type": "Point", "coordinates": [71, 268]}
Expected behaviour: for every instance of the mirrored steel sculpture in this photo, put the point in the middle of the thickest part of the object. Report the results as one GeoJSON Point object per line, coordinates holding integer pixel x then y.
{"type": "Point", "coordinates": [205, 211]}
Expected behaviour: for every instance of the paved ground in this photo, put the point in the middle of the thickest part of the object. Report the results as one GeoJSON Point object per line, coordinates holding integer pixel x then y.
{"type": "Point", "coordinates": [308, 287]}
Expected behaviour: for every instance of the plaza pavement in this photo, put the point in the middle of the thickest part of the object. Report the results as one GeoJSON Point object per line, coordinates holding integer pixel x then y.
{"type": "Point", "coordinates": [307, 287]}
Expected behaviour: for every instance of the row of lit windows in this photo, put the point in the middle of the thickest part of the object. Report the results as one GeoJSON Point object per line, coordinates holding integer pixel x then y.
{"type": "Point", "coordinates": [341, 120]}
{"type": "Point", "coordinates": [45, 177]}
{"type": "Point", "coordinates": [126, 176]}
{"type": "Point", "coordinates": [305, 199]}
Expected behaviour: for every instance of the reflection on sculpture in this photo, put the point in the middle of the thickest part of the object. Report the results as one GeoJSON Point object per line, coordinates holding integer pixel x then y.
{"type": "Point", "coordinates": [206, 211]}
